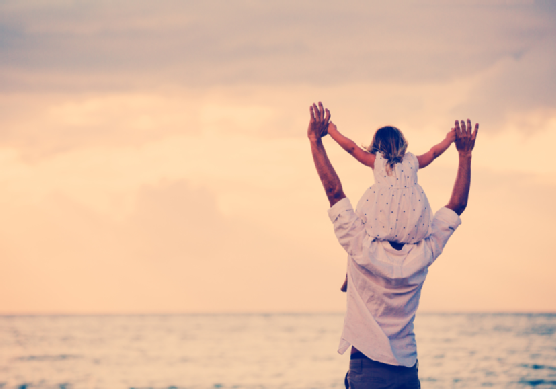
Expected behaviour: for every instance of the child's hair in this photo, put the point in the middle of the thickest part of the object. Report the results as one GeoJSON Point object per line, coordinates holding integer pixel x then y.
{"type": "Point", "coordinates": [391, 143]}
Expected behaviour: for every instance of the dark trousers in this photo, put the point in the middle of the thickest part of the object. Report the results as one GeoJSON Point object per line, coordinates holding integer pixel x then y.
{"type": "Point", "coordinates": [364, 373]}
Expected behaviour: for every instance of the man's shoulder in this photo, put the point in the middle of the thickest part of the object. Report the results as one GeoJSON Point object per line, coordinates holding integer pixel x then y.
{"type": "Point", "coordinates": [343, 205]}
{"type": "Point", "coordinates": [446, 216]}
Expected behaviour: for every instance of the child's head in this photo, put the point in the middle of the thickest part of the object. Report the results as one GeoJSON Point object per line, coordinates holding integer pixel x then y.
{"type": "Point", "coordinates": [391, 143]}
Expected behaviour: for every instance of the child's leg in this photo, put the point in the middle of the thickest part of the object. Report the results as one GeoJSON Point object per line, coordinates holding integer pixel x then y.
{"type": "Point", "coordinates": [345, 284]}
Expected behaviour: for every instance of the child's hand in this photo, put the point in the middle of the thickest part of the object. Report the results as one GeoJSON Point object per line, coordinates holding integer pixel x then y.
{"type": "Point", "coordinates": [451, 136]}
{"type": "Point", "coordinates": [331, 128]}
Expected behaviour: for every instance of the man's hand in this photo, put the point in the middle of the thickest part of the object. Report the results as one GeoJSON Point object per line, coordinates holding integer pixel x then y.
{"type": "Point", "coordinates": [465, 140]}
{"type": "Point", "coordinates": [319, 122]}
{"type": "Point", "coordinates": [317, 129]}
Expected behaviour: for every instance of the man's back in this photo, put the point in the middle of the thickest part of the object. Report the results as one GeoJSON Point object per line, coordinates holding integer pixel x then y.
{"type": "Point", "coordinates": [385, 285]}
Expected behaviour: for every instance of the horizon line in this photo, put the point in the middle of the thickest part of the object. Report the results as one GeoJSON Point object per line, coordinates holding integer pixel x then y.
{"type": "Point", "coordinates": [249, 313]}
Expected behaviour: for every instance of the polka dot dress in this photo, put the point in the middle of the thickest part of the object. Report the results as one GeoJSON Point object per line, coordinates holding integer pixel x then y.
{"type": "Point", "coordinates": [396, 208]}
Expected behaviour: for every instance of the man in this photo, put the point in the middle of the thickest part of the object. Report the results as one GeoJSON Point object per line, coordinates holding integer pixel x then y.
{"type": "Point", "coordinates": [385, 279]}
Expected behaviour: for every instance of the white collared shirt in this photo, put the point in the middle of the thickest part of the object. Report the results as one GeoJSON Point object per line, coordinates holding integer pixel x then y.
{"type": "Point", "coordinates": [384, 285]}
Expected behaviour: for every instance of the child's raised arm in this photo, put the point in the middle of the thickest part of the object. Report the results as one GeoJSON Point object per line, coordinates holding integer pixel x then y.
{"type": "Point", "coordinates": [348, 145]}
{"type": "Point", "coordinates": [436, 150]}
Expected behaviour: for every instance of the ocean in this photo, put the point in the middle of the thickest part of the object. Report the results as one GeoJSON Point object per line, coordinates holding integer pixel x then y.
{"type": "Point", "coordinates": [263, 351]}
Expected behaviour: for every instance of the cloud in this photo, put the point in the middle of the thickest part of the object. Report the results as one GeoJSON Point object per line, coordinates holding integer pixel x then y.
{"type": "Point", "coordinates": [175, 253]}
{"type": "Point", "coordinates": [88, 74]}
{"type": "Point", "coordinates": [42, 125]}
{"type": "Point", "coordinates": [154, 154]}
{"type": "Point", "coordinates": [517, 91]}
{"type": "Point", "coordinates": [217, 43]}
{"type": "Point", "coordinates": [174, 222]}
{"type": "Point", "coordinates": [498, 259]}
{"type": "Point", "coordinates": [75, 257]}
{"type": "Point", "coordinates": [169, 227]}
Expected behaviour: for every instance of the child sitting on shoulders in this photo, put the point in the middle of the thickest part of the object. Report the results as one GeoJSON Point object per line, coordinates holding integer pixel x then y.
{"type": "Point", "coordinates": [395, 208]}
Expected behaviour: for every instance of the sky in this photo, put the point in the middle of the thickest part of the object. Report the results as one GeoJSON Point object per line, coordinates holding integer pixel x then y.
{"type": "Point", "coordinates": [154, 158]}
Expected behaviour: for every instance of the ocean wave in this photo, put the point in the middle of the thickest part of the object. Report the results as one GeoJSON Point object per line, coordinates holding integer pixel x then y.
{"type": "Point", "coordinates": [49, 358]}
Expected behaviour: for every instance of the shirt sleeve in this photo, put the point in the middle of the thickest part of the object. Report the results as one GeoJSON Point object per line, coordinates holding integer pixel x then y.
{"type": "Point", "coordinates": [348, 227]}
{"type": "Point", "coordinates": [444, 224]}
{"type": "Point", "coordinates": [414, 161]}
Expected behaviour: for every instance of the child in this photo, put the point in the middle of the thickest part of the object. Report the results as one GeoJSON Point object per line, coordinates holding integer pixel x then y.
{"type": "Point", "coordinates": [395, 208]}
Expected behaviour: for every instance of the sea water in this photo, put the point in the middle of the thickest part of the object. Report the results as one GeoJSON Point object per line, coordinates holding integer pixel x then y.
{"type": "Point", "coordinates": [263, 351]}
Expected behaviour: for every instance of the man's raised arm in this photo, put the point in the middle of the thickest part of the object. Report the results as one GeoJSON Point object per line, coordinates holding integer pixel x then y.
{"type": "Point", "coordinates": [465, 141]}
{"type": "Point", "coordinates": [317, 129]}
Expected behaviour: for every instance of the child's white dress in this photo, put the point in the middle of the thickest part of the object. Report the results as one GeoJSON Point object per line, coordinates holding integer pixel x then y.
{"type": "Point", "coordinates": [396, 208]}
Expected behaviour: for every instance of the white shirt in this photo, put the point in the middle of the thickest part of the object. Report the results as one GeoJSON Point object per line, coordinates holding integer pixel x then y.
{"type": "Point", "coordinates": [384, 285]}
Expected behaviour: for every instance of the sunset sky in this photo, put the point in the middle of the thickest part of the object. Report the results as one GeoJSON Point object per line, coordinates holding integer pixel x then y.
{"type": "Point", "coordinates": [154, 159]}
